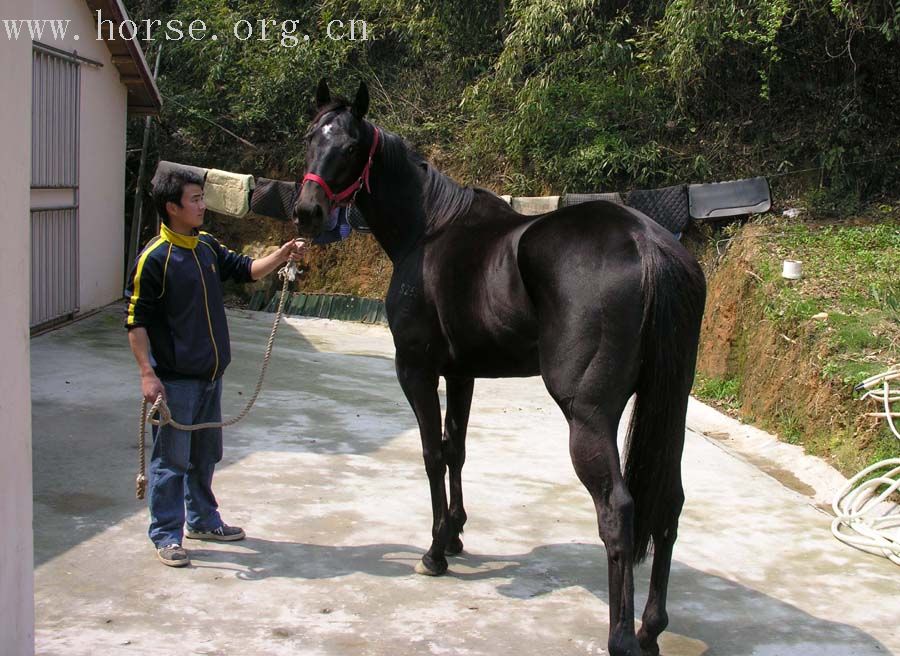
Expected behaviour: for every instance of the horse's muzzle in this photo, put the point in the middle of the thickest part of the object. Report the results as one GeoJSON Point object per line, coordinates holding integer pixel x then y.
{"type": "Point", "coordinates": [310, 210]}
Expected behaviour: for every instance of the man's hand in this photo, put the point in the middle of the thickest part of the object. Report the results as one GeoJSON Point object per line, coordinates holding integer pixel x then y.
{"type": "Point", "coordinates": [293, 250]}
{"type": "Point", "coordinates": [151, 387]}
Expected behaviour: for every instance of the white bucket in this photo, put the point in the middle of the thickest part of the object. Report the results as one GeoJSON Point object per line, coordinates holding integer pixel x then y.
{"type": "Point", "coordinates": [791, 269]}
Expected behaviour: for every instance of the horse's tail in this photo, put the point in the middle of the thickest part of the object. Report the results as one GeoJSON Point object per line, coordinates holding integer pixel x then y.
{"type": "Point", "coordinates": [674, 291]}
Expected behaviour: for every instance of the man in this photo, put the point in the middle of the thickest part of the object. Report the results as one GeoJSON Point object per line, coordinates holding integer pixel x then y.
{"type": "Point", "coordinates": [179, 336]}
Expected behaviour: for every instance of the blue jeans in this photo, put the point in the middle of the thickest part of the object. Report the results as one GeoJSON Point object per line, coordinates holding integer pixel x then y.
{"type": "Point", "coordinates": [182, 464]}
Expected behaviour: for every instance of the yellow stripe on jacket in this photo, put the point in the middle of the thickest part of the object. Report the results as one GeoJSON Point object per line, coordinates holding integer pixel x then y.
{"type": "Point", "coordinates": [137, 278]}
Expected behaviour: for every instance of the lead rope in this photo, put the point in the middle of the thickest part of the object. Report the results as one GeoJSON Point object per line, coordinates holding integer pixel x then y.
{"type": "Point", "coordinates": [867, 516]}
{"type": "Point", "coordinates": [288, 273]}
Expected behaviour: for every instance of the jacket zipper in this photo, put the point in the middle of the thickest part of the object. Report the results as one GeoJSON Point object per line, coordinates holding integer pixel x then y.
{"type": "Point", "coordinates": [208, 317]}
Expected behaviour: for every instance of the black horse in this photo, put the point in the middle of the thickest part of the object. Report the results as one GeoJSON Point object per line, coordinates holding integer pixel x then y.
{"type": "Point", "coordinates": [597, 298]}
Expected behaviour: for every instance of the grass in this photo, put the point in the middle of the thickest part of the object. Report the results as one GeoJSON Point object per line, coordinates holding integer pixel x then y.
{"type": "Point", "coordinates": [886, 446]}
{"type": "Point", "coordinates": [723, 391]}
{"type": "Point", "coordinates": [852, 273]}
{"type": "Point", "coordinates": [851, 285]}
{"type": "Point", "coordinates": [887, 298]}
{"type": "Point", "coordinates": [791, 427]}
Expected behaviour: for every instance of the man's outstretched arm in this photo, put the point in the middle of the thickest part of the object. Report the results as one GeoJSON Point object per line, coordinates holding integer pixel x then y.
{"type": "Point", "coordinates": [292, 250]}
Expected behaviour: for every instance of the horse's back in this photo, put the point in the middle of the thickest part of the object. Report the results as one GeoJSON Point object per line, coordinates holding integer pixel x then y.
{"type": "Point", "coordinates": [497, 280]}
{"type": "Point", "coordinates": [575, 254]}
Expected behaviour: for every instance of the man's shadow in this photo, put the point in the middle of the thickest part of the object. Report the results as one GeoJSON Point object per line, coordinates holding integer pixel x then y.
{"type": "Point", "coordinates": [730, 618]}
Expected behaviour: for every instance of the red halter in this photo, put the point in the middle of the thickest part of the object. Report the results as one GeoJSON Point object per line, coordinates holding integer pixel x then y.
{"type": "Point", "coordinates": [338, 199]}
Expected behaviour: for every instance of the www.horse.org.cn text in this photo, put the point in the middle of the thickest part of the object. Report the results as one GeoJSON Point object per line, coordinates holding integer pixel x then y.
{"type": "Point", "coordinates": [287, 33]}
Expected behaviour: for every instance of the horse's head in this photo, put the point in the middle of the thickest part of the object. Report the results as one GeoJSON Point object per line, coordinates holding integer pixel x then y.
{"type": "Point", "coordinates": [338, 156]}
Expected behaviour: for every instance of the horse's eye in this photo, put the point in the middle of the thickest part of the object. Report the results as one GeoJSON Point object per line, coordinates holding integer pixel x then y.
{"type": "Point", "coordinates": [351, 149]}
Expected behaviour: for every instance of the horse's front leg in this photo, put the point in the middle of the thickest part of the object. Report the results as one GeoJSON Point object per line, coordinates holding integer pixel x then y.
{"type": "Point", "coordinates": [459, 402]}
{"type": "Point", "coordinates": [420, 385]}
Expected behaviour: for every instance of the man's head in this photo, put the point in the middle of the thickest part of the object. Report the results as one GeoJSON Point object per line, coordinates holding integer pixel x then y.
{"type": "Point", "coordinates": [179, 199]}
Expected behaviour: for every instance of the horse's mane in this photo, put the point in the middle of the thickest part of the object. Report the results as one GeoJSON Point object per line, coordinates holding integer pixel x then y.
{"type": "Point", "coordinates": [443, 198]}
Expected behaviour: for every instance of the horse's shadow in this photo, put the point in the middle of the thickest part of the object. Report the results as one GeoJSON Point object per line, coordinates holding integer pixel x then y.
{"type": "Point", "coordinates": [729, 618]}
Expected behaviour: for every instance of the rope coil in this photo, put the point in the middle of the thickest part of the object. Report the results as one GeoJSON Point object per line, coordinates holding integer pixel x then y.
{"type": "Point", "coordinates": [866, 516]}
{"type": "Point", "coordinates": [288, 273]}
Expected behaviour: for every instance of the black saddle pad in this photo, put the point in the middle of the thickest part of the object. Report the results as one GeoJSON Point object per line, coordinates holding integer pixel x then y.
{"type": "Point", "coordinates": [724, 199]}
{"type": "Point", "coordinates": [274, 198]}
{"type": "Point", "coordinates": [667, 206]}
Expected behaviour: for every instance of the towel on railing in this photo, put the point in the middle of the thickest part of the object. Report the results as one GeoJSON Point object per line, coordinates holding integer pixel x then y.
{"type": "Point", "coordinates": [575, 199]}
{"type": "Point", "coordinates": [228, 193]}
{"type": "Point", "coordinates": [667, 206]}
{"type": "Point", "coordinates": [726, 199]}
{"type": "Point", "coordinates": [532, 205]}
{"type": "Point", "coordinates": [164, 167]}
{"type": "Point", "coordinates": [274, 198]}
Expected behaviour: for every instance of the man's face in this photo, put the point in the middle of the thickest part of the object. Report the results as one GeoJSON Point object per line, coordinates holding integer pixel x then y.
{"type": "Point", "coordinates": [190, 214]}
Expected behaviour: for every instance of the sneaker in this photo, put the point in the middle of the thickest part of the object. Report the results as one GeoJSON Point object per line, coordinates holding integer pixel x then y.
{"type": "Point", "coordinates": [224, 533]}
{"type": "Point", "coordinates": [173, 555]}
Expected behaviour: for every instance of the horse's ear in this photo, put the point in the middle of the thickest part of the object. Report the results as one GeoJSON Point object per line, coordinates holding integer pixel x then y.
{"type": "Point", "coordinates": [323, 95]}
{"type": "Point", "coordinates": [361, 102]}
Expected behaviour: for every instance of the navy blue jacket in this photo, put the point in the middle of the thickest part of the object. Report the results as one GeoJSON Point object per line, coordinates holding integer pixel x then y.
{"type": "Point", "coordinates": [175, 292]}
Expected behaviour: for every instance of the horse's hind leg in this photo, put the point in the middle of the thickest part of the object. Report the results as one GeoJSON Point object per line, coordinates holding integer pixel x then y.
{"type": "Point", "coordinates": [591, 382]}
{"type": "Point", "coordinates": [459, 402]}
{"type": "Point", "coordinates": [655, 618]}
{"type": "Point", "coordinates": [592, 445]}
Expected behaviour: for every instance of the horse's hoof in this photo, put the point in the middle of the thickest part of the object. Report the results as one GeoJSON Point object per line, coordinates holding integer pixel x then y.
{"type": "Point", "coordinates": [624, 646]}
{"type": "Point", "coordinates": [430, 568]}
{"type": "Point", "coordinates": [454, 547]}
{"type": "Point", "coordinates": [650, 650]}
{"type": "Point", "coordinates": [648, 643]}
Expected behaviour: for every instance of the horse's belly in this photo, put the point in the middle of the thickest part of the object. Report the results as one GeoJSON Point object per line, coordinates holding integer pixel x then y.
{"type": "Point", "coordinates": [493, 361]}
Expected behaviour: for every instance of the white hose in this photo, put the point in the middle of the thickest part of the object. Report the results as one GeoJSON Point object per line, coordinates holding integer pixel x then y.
{"type": "Point", "coordinates": [865, 515]}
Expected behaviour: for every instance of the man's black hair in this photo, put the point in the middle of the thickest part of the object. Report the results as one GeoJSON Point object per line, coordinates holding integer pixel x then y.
{"type": "Point", "coordinates": [169, 187]}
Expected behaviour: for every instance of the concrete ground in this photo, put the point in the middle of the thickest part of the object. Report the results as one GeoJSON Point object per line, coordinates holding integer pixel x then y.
{"type": "Point", "coordinates": [326, 477]}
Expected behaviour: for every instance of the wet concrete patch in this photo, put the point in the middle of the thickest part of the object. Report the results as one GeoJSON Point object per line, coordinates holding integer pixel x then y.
{"type": "Point", "coordinates": [76, 503]}
{"type": "Point", "coordinates": [780, 474]}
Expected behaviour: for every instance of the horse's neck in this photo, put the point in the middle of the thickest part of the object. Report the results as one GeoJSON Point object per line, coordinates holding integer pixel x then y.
{"type": "Point", "coordinates": [394, 210]}
{"type": "Point", "coordinates": [409, 201]}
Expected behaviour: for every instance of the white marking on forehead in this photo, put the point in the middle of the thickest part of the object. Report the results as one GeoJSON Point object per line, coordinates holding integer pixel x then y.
{"type": "Point", "coordinates": [326, 131]}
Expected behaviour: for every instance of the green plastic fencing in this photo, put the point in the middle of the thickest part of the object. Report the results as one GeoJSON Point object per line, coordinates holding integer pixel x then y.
{"type": "Point", "coordinates": [343, 307]}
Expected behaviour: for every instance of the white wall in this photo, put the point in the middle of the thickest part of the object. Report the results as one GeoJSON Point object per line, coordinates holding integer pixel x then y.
{"type": "Point", "coordinates": [102, 170]}
{"type": "Point", "coordinates": [102, 159]}
{"type": "Point", "coordinates": [16, 553]}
